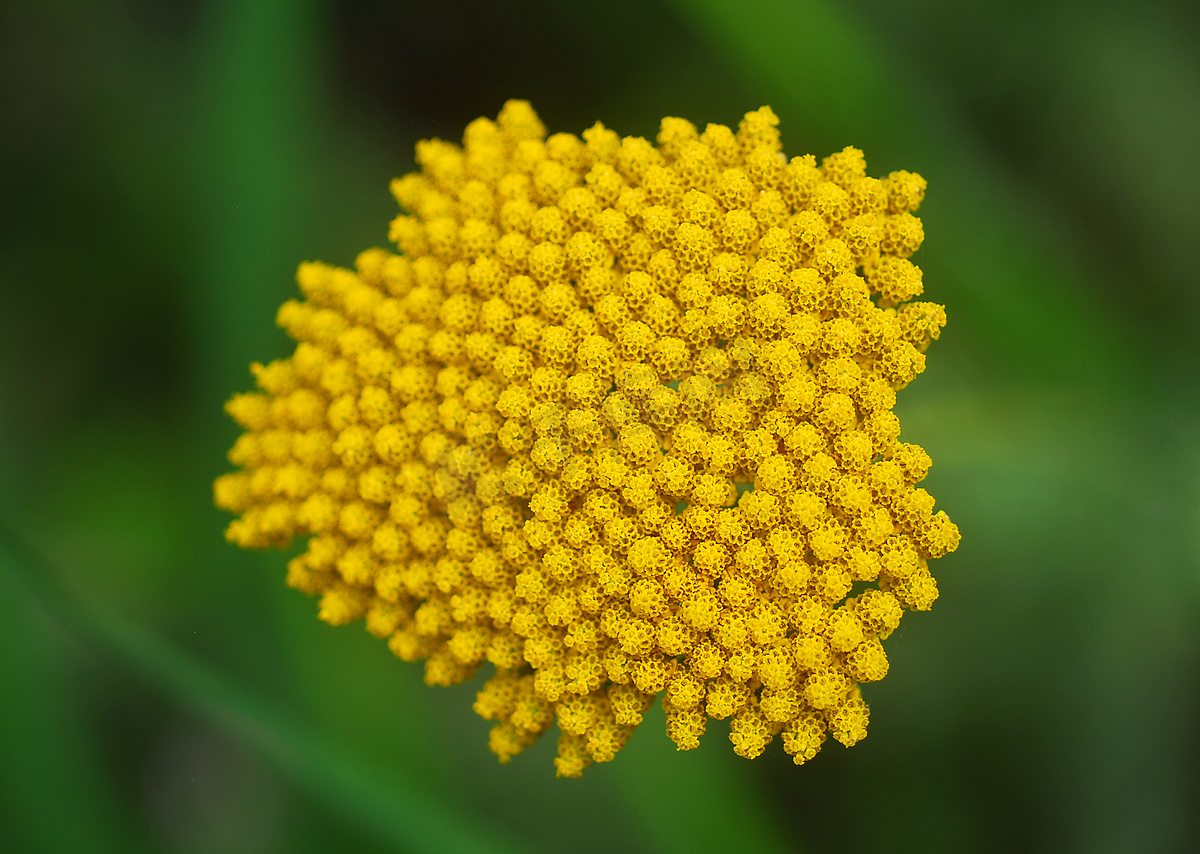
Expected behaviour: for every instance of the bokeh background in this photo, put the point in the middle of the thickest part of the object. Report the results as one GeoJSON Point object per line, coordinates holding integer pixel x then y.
{"type": "Point", "coordinates": [165, 165]}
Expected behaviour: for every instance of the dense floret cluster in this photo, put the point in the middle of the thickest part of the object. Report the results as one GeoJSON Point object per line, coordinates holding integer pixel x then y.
{"type": "Point", "coordinates": [618, 420]}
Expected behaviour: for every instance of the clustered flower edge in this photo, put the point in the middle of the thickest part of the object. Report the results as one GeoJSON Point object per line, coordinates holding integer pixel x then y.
{"type": "Point", "coordinates": [617, 420]}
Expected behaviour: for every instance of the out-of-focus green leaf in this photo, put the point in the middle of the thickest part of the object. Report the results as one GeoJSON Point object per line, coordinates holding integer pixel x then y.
{"type": "Point", "coordinates": [393, 808]}
{"type": "Point", "coordinates": [53, 795]}
{"type": "Point", "coordinates": [700, 800]}
{"type": "Point", "coordinates": [257, 128]}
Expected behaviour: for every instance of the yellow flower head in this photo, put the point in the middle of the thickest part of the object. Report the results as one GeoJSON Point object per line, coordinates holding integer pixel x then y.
{"type": "Point", "coordinates": [617, 419]}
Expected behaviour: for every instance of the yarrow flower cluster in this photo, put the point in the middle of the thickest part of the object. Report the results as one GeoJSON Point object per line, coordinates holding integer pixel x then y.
{"type": "Point", "coordinates": [618, 420]}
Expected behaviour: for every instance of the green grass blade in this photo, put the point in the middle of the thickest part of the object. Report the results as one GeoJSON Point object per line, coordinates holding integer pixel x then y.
{"type": "Point", "coordinates": [395, 809]}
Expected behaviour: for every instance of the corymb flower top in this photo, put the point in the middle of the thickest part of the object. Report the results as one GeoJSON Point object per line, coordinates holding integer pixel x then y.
{"type": "Point", "coordinates": [617, 421]}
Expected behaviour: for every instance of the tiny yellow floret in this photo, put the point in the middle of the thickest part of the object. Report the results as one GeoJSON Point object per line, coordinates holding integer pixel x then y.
{"type": "Point", "coordinates": [616, 421]}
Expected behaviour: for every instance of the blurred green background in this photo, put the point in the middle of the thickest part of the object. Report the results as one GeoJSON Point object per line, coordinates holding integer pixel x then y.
{"type": "Point", "coordinates": [165, 165]}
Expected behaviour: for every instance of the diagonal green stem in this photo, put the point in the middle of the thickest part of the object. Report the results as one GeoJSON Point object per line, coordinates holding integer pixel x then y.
{"type": "Point", "coordinates": [391, 807]}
